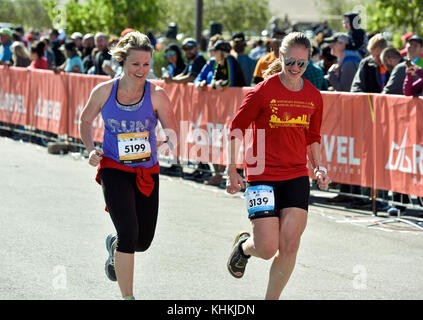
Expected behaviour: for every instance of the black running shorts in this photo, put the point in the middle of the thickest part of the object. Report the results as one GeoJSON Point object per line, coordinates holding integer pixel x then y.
{"type": "Point", "coordinates": [292, 193]}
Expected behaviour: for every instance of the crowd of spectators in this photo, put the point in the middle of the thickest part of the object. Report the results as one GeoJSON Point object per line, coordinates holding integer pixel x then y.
{"type": "Point", "coordinates": [350, 60]}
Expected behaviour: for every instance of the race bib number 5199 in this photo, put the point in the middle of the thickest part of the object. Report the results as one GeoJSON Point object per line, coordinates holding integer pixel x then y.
{"type": "Point", "coordinates": [134, 147]}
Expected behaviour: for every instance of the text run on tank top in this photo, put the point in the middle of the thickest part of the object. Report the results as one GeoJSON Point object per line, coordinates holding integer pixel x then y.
{"type": "Point", "coordinates": [129, 130]}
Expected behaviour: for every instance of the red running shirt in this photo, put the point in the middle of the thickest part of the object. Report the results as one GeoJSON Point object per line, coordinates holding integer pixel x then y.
{"type": "Point", "coordinates": [291, 121]}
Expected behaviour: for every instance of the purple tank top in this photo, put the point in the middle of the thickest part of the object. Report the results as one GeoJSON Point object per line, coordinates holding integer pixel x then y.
{"type": "Point", "coordinates": [129, 130]}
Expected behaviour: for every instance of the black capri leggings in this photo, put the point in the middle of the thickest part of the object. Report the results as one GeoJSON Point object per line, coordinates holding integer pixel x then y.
{"type": "Point", "coordinates": [133, 214]}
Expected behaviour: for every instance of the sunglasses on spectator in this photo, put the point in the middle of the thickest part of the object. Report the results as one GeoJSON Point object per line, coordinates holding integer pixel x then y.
{"type": "Point", "coordinates": [170, 53]}
{"type": "Point", "coordinates": [187, 48]}
{"type": "Point", "coordinates": [289, 62]}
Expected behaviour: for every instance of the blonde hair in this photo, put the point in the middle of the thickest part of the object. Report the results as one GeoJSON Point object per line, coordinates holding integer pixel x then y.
{"type": "Point", "coordinates": [273, 68]}
{"type": "Point", "coordinates": [291, 40]}
{"type": "Point", "coordinates": [377, 41]}
{"type": "Point", "coordinates": [131, 41]}
{"type": "Point", "coordinates": [295, 39]}
{"type": "Point", "coordinates": [19, 50]}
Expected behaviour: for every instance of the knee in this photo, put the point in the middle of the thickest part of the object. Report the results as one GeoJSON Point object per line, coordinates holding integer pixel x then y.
{"type": "Point", "coordinates": [267, 251]}
{"type": "Point", "coordinates": [289, 247]}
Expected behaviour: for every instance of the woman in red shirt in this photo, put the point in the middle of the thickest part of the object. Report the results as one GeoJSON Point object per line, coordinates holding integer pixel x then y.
{"type": "Point", "coordinates": [37, 56]}
{"type": "Point", "coordinates": [285, 114]}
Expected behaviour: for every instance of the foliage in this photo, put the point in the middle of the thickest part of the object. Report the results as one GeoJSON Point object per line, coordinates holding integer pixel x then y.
{"type": "Point", "coordinates": [396, 16]}
{"type": "Point", "coordinates": [235, 15]}
{"type": "Point", "coordinates": [109, 16]}
{"type": "Point", "coordinates": [333, 11]}
{"type": "Point", "coordinates": [27, 13]}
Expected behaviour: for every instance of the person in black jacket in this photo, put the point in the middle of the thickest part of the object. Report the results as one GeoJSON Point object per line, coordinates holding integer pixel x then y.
{"type": "Point", "coordinates": [358, 37]}
{"type": "Point", "coordinates": [371, 76]}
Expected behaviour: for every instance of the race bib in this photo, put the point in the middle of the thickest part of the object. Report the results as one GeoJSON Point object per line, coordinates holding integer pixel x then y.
{"type": "Point", "coordinates": [260, 200]}
{"type": "Point", "coordinates": [134, 147]}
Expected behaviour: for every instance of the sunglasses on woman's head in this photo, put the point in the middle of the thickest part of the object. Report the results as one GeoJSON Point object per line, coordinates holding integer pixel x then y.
{"type": "Point", "coordinates": [289, 62]}
{"type": "Point", "coordinates": [170, 53]}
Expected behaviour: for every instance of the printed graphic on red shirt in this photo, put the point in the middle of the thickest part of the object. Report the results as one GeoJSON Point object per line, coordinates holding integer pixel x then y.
{"type": "Point", "coordinates": [286, 114]}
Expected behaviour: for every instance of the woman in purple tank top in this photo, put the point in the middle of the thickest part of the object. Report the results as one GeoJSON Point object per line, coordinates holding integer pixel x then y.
{"type": "Point", "coordinates": [128, 169]}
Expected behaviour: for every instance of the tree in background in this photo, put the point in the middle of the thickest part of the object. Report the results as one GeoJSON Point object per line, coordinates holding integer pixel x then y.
{"type": "Point", "coordinates": [27, 13]}
{"type": "Point", "coordinates": [109, 16]}
{"type": "Point", "coordinates": [235, 15]}
{"type": "Point", "coordinates": [333, 11]}
{"type": "Point", "coordinates": [398, 17]}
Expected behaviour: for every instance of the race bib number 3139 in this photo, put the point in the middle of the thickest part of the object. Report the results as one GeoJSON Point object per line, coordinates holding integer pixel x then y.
{"type": "Point", "coordinates": [259, 199]}
{"type": "Point", "coordinates": [134, 147]}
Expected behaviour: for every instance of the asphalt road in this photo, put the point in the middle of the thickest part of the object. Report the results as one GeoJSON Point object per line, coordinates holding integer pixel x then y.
{"type": "Point", "coordinates": [53, 228]}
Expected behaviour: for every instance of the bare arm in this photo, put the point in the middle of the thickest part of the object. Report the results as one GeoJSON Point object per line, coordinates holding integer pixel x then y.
{"type": "Point", "coordinates": [89, 113]}
{"type": "Point", "coordinates": [235, 182]}
{"type": "Point", "coordinates": [163, 108]}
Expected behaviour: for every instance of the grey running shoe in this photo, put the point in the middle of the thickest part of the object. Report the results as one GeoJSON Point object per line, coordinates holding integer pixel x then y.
{"type": "Point", "coordinates": [111, 242]}
{"type": "Point", "coordinates": [237, 259]}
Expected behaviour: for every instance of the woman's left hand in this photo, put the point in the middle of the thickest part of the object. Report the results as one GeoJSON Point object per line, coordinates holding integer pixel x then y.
{"type": "Point", "coordinates": [323, 180]}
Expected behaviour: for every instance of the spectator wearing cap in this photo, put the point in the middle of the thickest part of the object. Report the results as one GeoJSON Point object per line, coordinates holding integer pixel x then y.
{"type": "Point", "coordinates": [341, 74]}
{"type": "Point", "coordinates": [88, 45]}
{"type": "Point", "coordinates": [55, 45]}
{"type": "Point", "coordinates": [73, 60]}
{"type": "Point", "coordinates": [413, 83]}
{"type": "Point", "coordinates": [37, 56]}
{"type": "Point", "coordinates": [6, 42]}
{"type": "Point", "coordinates": [404, 39]}
{"type": "Point", "coordinates": [247, 64]}
{"type": "Point", "coordinates": [102, 55]}
{"type": "Point", "coordinates": [394, 63]}
{"type": "Point", "coordinates": [314, 73]}
{"type": "Point", "coordinates": [326, 58]}
{"type": "Point", "coordinates": [206, 75]}
{"type": "Point", "coordinates": [126, 31]}
{"type": "Point", "coordinates": [228, 72]}
{"type": "Point", "coordinates": [266, 60]}
{"type": "Point", "coordinates": [195, 63]}
{"type": "Point", "coordinates": [371, 76]}
{"type": "Point", "coordinates": [414, 50]}
{"type": "Point", "coordinates": [77, 37]}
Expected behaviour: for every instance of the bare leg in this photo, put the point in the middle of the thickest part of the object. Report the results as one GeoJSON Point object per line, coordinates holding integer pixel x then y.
{"type": "Point", "coordinates": [124, 267]}
{"type": "Point", "coordinates": [265, 240]}
{"type": "Point", "coordinates": [292, 224]}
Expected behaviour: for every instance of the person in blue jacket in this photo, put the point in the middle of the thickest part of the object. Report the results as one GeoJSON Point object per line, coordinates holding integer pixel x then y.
{"type": "Point", "coordinates": [223, 71]}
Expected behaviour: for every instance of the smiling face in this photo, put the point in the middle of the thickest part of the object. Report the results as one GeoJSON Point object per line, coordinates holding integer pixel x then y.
{"type": "Point", "coordinates": [298, 53]}
{"type": "Point", "coordinates": [137, 65]}
{"type": "Point", "coordinates": [414, 49]}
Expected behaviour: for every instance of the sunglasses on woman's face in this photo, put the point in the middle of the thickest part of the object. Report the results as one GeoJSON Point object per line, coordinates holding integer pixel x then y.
{"type": "Point", "coordinates": [170, 53]}
{"type": "Point", "coordinates": [289, 62]}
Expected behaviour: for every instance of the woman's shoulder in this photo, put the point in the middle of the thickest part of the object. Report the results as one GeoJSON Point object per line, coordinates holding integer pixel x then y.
{"type": "Point", "coordinates": [103, 89]}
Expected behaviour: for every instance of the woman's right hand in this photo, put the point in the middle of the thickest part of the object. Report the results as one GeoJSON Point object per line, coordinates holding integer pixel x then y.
{"type": "Point", "coordinates": [412, 69]}
{"type": "Point", "coordinates": [95, 157]}
{"type": "Point", "coordinates": [234, 183]}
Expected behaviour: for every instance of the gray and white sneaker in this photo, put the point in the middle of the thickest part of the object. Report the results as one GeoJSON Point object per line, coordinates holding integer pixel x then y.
{"type": "Point", "coordinates": [237, 260]}
{"type": "Point", "coordinates": [111, 242]}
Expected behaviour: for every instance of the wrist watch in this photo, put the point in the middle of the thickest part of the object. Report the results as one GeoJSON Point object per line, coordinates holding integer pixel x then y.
{"type": "Point", "coordinates": [320, 168]}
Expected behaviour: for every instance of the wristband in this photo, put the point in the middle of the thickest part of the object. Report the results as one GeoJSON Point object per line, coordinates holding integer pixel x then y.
{"type": "Point", "coordinates": [170, 144]}
{"type": "Point", "coordinates": [320, 168]}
